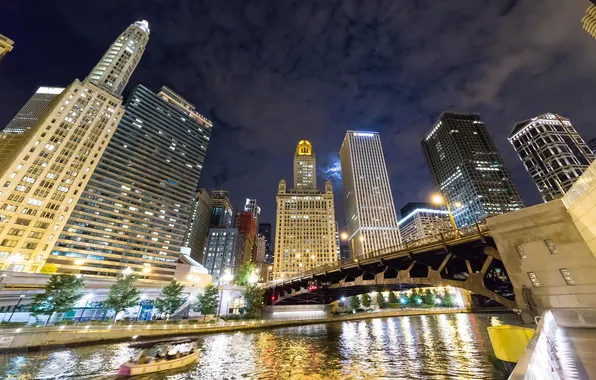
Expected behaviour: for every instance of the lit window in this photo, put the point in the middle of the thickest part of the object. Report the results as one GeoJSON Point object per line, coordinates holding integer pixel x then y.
{"type": "Point", "coordinates": [551, 246]}
{"type": "Point", "coordinates": [520, 252]}
{"type": "Point", "coordinates": [534, 279]}
{"type": "Point", "coordinates": [567, 276]}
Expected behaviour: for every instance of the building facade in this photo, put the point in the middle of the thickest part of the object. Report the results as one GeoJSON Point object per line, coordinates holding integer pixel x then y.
{"type": "Point", "coordinates": [466, 167]}
{"type": "Point", "coordinates": [251, 206]}
{"type": "Point", "coordinates": [265, 231]}
{"type": "Point", "coordinates": [223, 252]}
{"type": "Point", "coordinates": [198, 228]}
{"type": "Point", "coordinates": [592, 146]}
{"type": "Point", "coordinates": [305, 220]}
{"type": "Point", "coordinates": [6, 45]}
{"type": "Point", "coordinates": [136, 208]}
{"type": "Point", "coordinates": [589, 20]}
{"type": "Point", "coordinates": [422, 220]}
{"type": "Point", "coordinates": [118, 63]}
{"type": "Point", "coordinates": [245, 223]}
{"type": "Point", "coordinates": [33, 110]}
{"type": "Point", "coordinates": [370, 211]}
{"type": "Point", "coordinates": [222, 213]}
{"type": "Point", "coordinates": [261, 244]}
{"type": "Point", "coordinates": [552, 152]}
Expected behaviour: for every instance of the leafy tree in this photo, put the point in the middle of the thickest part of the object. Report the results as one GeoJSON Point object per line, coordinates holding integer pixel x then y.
{"type": "Point", "coordinates": [429, 298]}
{"type": "Point", "coordinates": [403, 298]}
{"type": "Point", "coordinates": [354, 302]}
{"type": "Point", "coordinates": [244, 273]}
{"type": "Point", "coordinates": [122, 295]}
{"type": "Point", "coordinates": [208, 301]}
{"type": "Point", "coordinates": [61, 294]}
{"type": "Point", "coordinates": [392, 298]}
{"type": "Point", "coordinates": [366, 300]}
{"type": "Point", "coordinates": [253, 299]}
{"type": "Point", "coordinates": [170, 298]}
{"type": "Point", "coordinates": [381, 301]}
{"type": "Point", "coordinates": [49, 268]}
{"type": "Point", "coordinates": [447, 299]}
{"type": "Point", "coordinates": [415, 298]}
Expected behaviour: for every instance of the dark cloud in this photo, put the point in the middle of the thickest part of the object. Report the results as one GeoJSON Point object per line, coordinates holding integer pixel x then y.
{"type": "Point", "coordinates": [270, 73]}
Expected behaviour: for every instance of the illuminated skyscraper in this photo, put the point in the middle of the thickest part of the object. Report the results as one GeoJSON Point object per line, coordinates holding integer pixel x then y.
{"type": "Point", "coordinates": [370, 212]}
{"type": "Point", "coordinates": [466, 167]}
{"type": "Point", "coordinates": [422, 220]}
{"type": "Point", "coordinates": [136, 208]}
{"type": "Point", "coordinates": [33, 110]}
{"type": "Point", "coordinates": [305, 235]}
{"type": "Point", "coordinates": [252, 207]}
{"type": "Point", "coordinates": [6, 45]}
{"type": "Point", "coordinates": [552, 152]}
{"type": "Point", "coordinates": [589, 20]}
{"type": "Point", "coordinates": [43, 171]}
{"type": "Point", "coordinates": [118, 63]}
{"type": "Point", "coordinates": [265, 231]}
{"type": "Point", "coordinates": [198, 228]}
{"type": "Point", "coordinates": [222, 214]}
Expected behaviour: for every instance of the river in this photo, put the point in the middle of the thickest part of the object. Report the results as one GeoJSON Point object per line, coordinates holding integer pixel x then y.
{"type": "Point", "coordinates": [454, 346]}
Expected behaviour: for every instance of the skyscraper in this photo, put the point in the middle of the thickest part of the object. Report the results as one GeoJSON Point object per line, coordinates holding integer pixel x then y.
{"type": "Point", "coordinates": [251, 206]}
{"type": "Point", "coordinates": [589, 20]}
{"type": "Point", "coordinates": [305, 164]}
{"type": "Point", "coordinates": [223, 252]}
{"type": "Point", "coordinates": [370, 212]}
{"type": "Point", "coordinates": [118, 63]}
{"type": "Point", "coordinates": [305, 220]}
{"type": "Point", "coordinates": [136, 208]}
{"type": "Point", "coordinates": [198, 228]}
{"type": "Point", "coordinates": [265, 231]}
{"type": "Point", "coordinates": [33, 110]}
{"type": "Point", "coordinates": [43, 171]}
{"type": "Point", "coordinates": [422, 220]}
{"type": "Point", "coordinates": [222, 214]}
{"type": "Point", "coordinates": [592, 145]}
{"type": "Point", "coordinates": [552, 152]}
{"type": "Point", "coordinates": [245, 223]}
{"type": "Point", "coordinates": [466, 167]}
{"type": "Point", "coordinates": [6, 45]}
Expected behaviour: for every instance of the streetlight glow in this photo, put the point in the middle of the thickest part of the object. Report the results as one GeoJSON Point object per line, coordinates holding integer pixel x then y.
{"type": "Point", "coordinates": [127, 271]}
{"type": "Point", "coordinates": [344, 236]}
{"type": "Point", "coordinates": [79, 262]}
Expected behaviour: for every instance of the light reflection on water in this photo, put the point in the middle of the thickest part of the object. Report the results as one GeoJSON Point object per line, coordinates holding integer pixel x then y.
{"type": "Point", "coordinates": [452, 346]}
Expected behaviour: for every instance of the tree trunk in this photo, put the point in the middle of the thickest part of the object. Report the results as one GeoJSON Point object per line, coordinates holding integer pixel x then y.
{"type": "Point", "coordinates": [48, 320]}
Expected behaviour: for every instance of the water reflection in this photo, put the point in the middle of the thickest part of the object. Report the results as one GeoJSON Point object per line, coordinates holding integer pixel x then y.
{"type": "Point", "coordinates": [452, 346]}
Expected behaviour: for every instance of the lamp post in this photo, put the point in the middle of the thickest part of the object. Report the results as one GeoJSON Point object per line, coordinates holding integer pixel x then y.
{"type": "Point", "coordinates": [2, 277]}
{"type": "Point", "coordinates": [438, 199]}
{"type": "Point", "coordinates": [127, 271]}
{"type": "Point", "coordinates": [15, 308]}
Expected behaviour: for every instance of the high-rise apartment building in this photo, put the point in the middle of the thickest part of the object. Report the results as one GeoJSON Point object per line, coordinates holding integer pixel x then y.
{"type": "Point", "coordinates": [589, 20]}
{"type": "Point", "coordinates": [136, 208]}
{"type": "Point", "coordinates": [6, 45]}
{"type": "Point", "coordinates": [44, 171]}
{"type": "Point", "coordinates": [305, 166]}
{"type": "Point", "coordinates": [223, 252]}
{"type": "Point", "coordinates": [251, 206]}
{"type": "Point", "coordinates": [222, 213]}
{"type": "Point", "coordinates": [33, 110]}
{"type": "Point", "coordinates": [422, 220]}
{"type": "Point", "coordinates": [552, 152]}
{"type": "Point", "coordinates": [260, 245]}
{"type": "Point", "coordinates": [592, 145]}
{"type": "Point", "coordinates": [305, 220]}
{"type": "Point", "coordinates": [245, 223]}
{"type": "Point", "coordinates": [466, 168]}
{"type": "Point", "coordinates": [370, 211]}
{"type": "Point", "coordinates": [118, 63]}
{"type": "Point", "coordinates": [198, 228]}
{"type": "Point", "coordinates": [265, 231]}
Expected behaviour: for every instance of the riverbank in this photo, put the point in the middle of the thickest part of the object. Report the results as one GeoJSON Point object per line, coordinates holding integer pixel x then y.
{"type": "Point", "coordinates": [36, 338]}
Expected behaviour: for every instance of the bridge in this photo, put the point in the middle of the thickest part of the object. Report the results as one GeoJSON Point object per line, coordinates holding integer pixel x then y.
{"type": "Point", "coordinates": [466, 259]}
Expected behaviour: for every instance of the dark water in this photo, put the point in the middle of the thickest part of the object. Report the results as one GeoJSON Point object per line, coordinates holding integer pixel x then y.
{"type": "Point", "coordinates": [452, 346]}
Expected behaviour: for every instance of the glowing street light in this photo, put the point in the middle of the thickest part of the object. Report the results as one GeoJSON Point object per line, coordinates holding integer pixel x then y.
{"type": "Point", "coordinates": [79, 262]}
{"type": "Point", "coordinates": [127, 271]}
{"type": "Point", "coordinates": [253, 278]}
{"type": "Point", "coordinates": [438, 199]}
{"type": "Point", "coordinates": [344, 236]}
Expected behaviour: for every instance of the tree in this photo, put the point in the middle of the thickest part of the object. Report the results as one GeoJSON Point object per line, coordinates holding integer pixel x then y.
{"type": "Point", "coordinates": [381, 301]}
{"type": "Point", "coordinates": [253, 299]}
{"type": "Point", "coordinates": [392, 298]}
{"type": "Point", "coordinates": [354, 303]}
{"type": "Point", "coordinates": [415, 298]}
{"type": "Point", "coordinates": [447, 299]}
{"type": "Point", "coordinates": [61, 294]}
{"type": "Point", "coordinates": [429, 298]}
{"type": "Point", "coordinates": [366, 300]}
{"type": "Point", "coordinates": [208, 301]}
{"type": "Point", "coordinates": [122, 295]}
{"type": "Point", "coordinates": [244, 273]}
{"type": "Point", "coordinates": [170, 298]}
{"type": "Point", "coordinates": [49, 268]}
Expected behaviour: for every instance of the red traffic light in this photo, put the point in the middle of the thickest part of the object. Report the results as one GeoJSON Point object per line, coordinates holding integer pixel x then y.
{"type": "Point", "coordinates": [273, 298]}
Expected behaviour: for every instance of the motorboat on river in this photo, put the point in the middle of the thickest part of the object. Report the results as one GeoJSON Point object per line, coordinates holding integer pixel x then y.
{"type": "Point", "coordinates": [161, 356]}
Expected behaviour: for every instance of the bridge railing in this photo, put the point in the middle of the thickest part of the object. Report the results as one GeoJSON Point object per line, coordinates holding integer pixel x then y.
{"type": "Point", "coordinates": [444, 237]}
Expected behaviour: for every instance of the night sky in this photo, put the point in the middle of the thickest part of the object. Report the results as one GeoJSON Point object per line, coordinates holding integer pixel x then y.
{"type": "Point", "coordinates": [270, 73]}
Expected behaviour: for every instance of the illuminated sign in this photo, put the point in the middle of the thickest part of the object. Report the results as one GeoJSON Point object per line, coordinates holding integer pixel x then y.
{"type": "Point", "coordinates": [361, 134]}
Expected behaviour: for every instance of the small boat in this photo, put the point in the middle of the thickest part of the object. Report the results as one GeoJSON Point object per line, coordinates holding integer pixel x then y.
{"type": "Point", "coordinates": [162, 356]}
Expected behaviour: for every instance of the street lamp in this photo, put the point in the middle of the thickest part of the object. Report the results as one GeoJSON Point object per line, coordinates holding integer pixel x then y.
{"type": "Point", "coordinates": [2, 277]}
{"type": "Point", "coordinates": [15, 308]}
{"type": "Point", "coordinates": [344, 236]}
{"type": "Point", "coordinates": [127, 271]}
{"type": "Point", "coordinates": [438, 199]}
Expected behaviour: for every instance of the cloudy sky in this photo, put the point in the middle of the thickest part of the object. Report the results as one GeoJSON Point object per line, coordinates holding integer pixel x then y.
{"type": "Point", "coordinates": [270, 73]}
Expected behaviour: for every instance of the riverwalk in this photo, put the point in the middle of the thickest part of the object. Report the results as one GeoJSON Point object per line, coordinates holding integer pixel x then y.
{"type": "Point", "coordinates": [35, 338]}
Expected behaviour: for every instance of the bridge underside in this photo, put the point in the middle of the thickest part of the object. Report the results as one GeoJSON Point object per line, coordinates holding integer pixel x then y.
{"type": "Point", "coordinates": [474, 265]}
